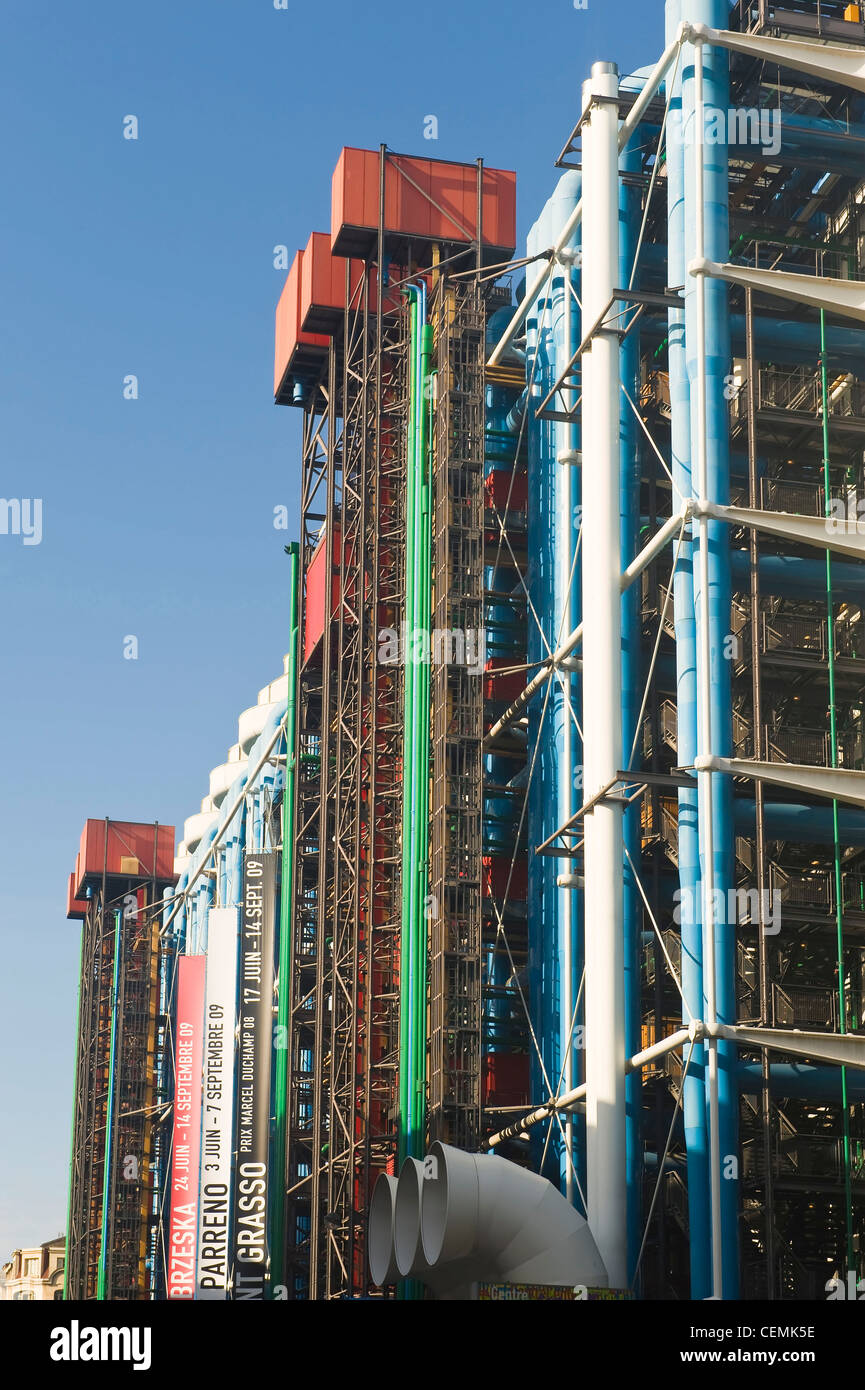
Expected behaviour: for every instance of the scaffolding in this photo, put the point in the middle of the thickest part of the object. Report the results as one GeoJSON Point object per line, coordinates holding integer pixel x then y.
{"type": "Point", "coordinates": [344, 1114]}
{"type": "Point", "coordinates": [113, 1190]}
{"type": "Point", "coordinates": [345, 1014]}
{"type": "Point", "coordinates": [456, 860]}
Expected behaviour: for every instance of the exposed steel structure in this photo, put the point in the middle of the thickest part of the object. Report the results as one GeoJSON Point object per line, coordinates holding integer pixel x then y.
{"type": "Point", "coordinates": [457, 710]}
{"type": "Point", "coordinates": [398, 219]}
{"type": "Point", "coordinates": [121, 873]}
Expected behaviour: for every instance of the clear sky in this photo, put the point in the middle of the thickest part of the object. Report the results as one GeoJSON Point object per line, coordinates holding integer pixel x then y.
{"type": "Point", "coordinates": [154, 258]}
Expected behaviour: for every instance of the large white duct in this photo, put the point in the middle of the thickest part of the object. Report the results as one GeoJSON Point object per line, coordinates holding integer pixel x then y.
{"type": "Point", "coordinates": [380, 1244]}
{"type": "Point", "coordinates": [408, 1250]}
{"type": "Point", "coordinates": [458, 1219]}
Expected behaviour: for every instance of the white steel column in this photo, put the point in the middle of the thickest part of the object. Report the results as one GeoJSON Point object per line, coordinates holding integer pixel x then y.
{"type": "Point", "coordinates": [704, 695]}
{"type": "Point", "coordinates": [565, 477]}
{"type": "Point", "coordinates": [602, 683]}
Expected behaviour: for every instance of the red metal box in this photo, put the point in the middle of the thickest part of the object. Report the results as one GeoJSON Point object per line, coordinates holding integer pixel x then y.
{"type": "Point", "coordinates": [424, 199]}
{"type": "Point", "coordinates": [127, 849]}
{"type": "Point", "coordinates": [295, 351]}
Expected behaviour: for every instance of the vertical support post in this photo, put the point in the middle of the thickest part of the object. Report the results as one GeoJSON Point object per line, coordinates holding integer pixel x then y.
{"type": "Point", "coordinates": [602, 685]}
{"type": "Point", "coordinates": [759, 792]}
{"type": "Point", "coordinates": [103, 1285]}
{"type": "Point", "coordinates": [479, 248]}
{"type": "Point", "coordinates": [694, 1089]}
{"type": "Point", "coordinates": [567, 611]}
{"type": "Point", "coordinates": [566, 780]}
{"type": "Point", "coordinates": [633, 672]}
{"type": "Point", "coordinates": [71, 1231]}
{"type": "Point", "coordinates": [707, 226]}
{"type": "Point", "coordinates": [286, 926]}
{"type": "Point", "coordinates": [704, 700]}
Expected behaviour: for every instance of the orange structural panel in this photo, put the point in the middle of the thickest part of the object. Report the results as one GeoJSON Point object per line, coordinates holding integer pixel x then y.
{"type": "Point", "coordinates": [322, 288]}
{"type": "Point", "coordinates": [127, 849]}
{"type": "Point", "coordinates": [316, 590]}
{"type": "Point", "coordinates": [294, 349]}
{"type": "Point", "coordinates": [424, 199]}
{"type": "Point", "coordinates": [75, 907]}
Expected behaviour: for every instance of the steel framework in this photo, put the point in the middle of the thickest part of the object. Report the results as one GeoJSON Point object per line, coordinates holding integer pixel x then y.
{"type": "Point", "coordinates": [345, 1014]}
{"type": "Point", "coordinates": [456, 866]}
{"type": "Point", "coordinates": [111, 1182]}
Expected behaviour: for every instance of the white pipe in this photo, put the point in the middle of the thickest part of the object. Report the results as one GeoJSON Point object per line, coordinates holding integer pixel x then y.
{"type": "Point", "coordinates": [566, 901]}
{"type": "Point", "coordinates": [602, 684]}
{"type": "Point", "coordinates": [404, 1257]}
{"type": "Point", "coordinates": [647, 95]}
{"type": "Point", "coordinates": [530, 296]}
{"type": "Point", "coordinates": [406, 1220]}
{"type": "Point", "coordinates": [570, 881]}
{"type": "Point", "coordinates": [538, 681]}
{"type": "Point", "coordinates": [238, 802]}
{"type": "Point", "coordinates": [640, 1059]}
{"type": "Point", "coordinates": [704, 694]}
{"type": "Point", "coordinates": [484, 1218]}
{"type": "Point", "coordinates": [628, 127]}
{"type": "Point", "coordinates": [662, 538]}
{"type": "Point", "coordinates": [561, 655]}
{"type": "Point", "coordinates": [380, 1244]}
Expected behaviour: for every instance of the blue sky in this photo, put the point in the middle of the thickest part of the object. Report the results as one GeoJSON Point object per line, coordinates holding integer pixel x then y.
{"type": "Point", "coordinates": [155, 258]}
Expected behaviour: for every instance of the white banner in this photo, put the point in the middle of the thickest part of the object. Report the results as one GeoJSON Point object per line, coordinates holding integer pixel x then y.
{"type": "Point", "coordinates": [217, 1127]}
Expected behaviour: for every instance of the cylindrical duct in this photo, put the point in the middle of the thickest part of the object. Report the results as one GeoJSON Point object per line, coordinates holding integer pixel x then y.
{"type": "Point", "coordinates": [483, 1218]}
{"type": "Point", "coordinates": [380, 1233]}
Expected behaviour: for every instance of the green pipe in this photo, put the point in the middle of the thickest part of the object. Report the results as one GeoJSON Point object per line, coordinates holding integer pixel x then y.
{"type": "Point", "coordinates": [109, 1117]}
{"type": "Point", "coordinates": [416, 744]}
{"type": "Point", "coordinates": [423, 673]}
{"type": "Point", "coordinates": [406, 942]}
{"type": "Point", "coordinates": [74, 1112]}
{"type": "Point", "coordinates": [277, 1257]}
{"type": "Point", "coordinates": [833, 717]}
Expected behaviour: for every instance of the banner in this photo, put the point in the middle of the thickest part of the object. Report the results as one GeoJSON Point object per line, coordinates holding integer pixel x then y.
{"type": "Point", "coordinates": [217, 1129]}
{"type": "Point", "coordinates": [252, 1125]}
{"type": "Point", "coordinates": [186, 1134]}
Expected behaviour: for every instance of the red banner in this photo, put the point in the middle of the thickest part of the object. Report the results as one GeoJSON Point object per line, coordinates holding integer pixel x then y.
{"type": "Point", "coordinates": [186, 1135]}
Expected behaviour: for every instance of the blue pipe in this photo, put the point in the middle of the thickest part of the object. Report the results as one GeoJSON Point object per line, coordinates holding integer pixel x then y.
{"type": "Point", "coordinates": [694, 1094]}
{"type": "Point", "coordinates": [551, 538]}
{"type": "Point", "coordinates": [789, 342]}
{"type": "Point", "coordinates": [718, 360]}
{"type": "Point", "coordinates": [785, 820]}
{"type": "Point", "coordinates": [568, 611]}
{"type": "Point", "coordinates": [795, 576]}
{"type": "Point", "coordinates": [782, 341]}
{"type": "Point", "coordinates": [800, 1081]}
{"type": "Point", "coordinates": [633, 674]}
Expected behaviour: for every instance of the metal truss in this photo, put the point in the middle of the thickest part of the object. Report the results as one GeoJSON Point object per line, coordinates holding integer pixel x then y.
{"type": "Point", "coordinates": [109, 1235]}
{"type": "Point", "coordinates": [345, 985]}
{"type": "Point", "coordinates": [455, 928]}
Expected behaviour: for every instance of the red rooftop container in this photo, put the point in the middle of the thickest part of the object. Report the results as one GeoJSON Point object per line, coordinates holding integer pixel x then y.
{"type": "Point", "coordinates": [123, 849]}
{"type": "Point", "coordinates": [322, 290]}
{"type": "Point", "coordinates": [75, 907]}
{"type": "Point", "coordinates": [296, 352]}
{"type": "Point", "coordinates": [425, 200]}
